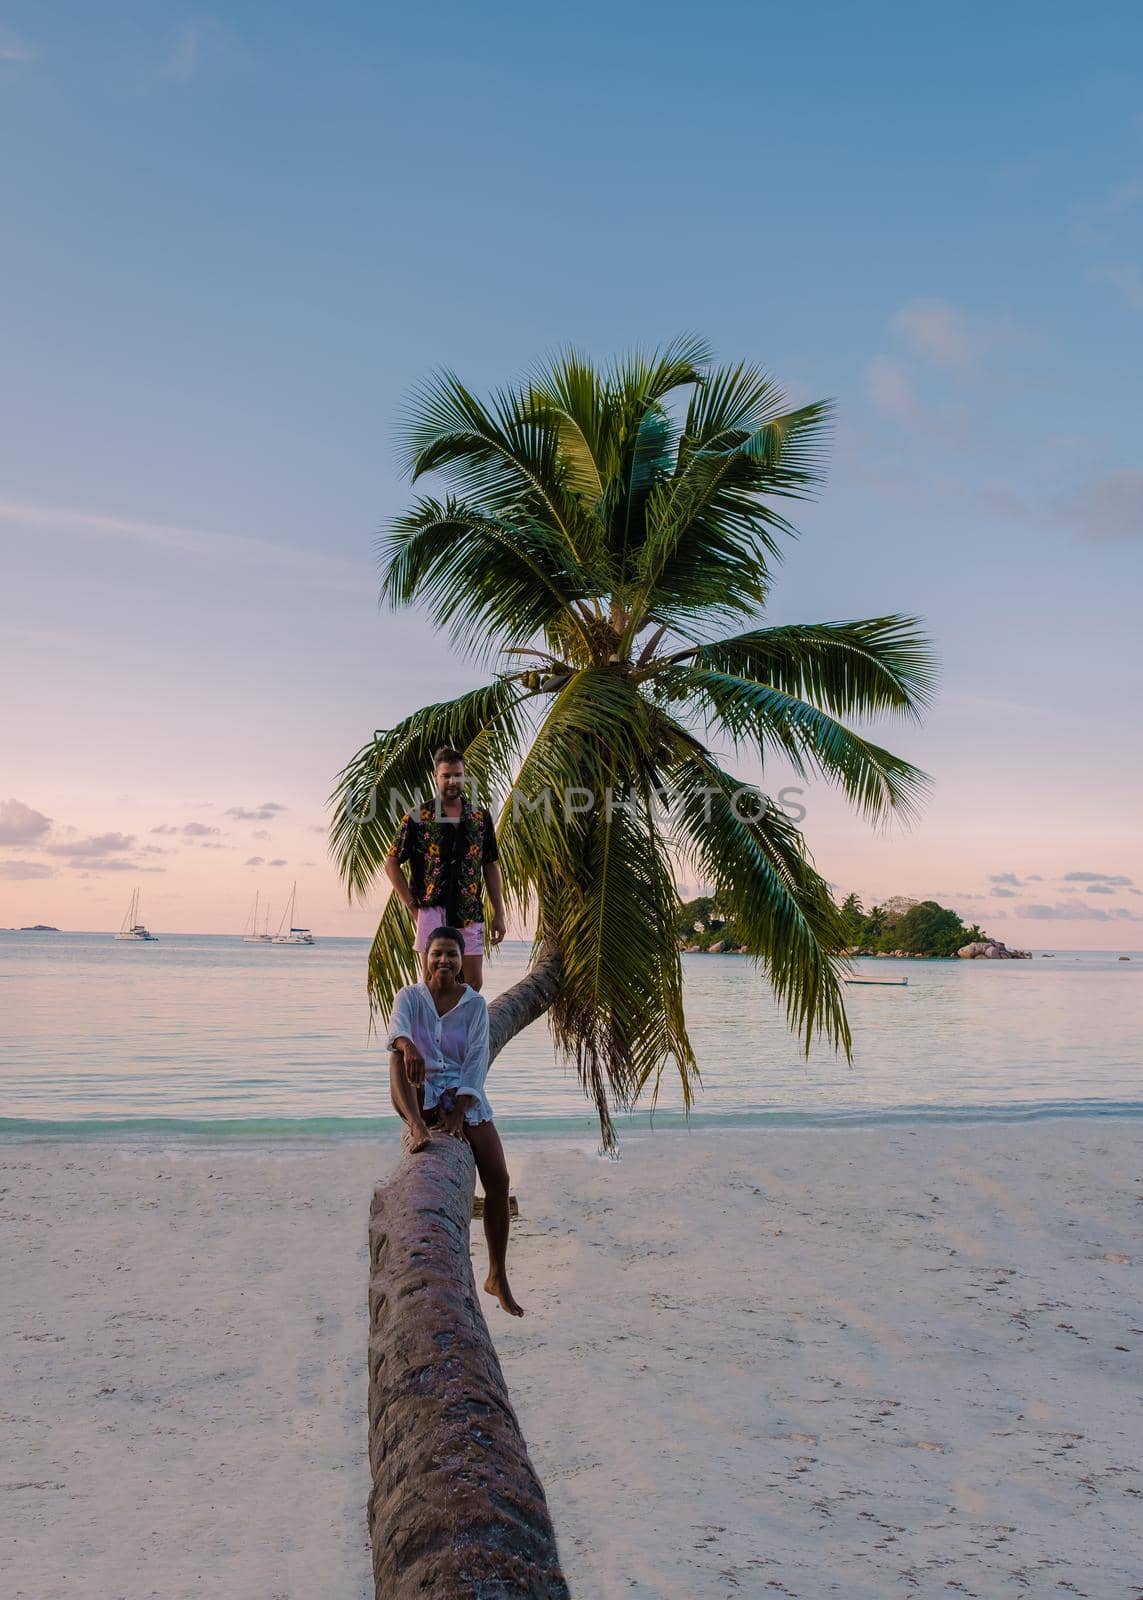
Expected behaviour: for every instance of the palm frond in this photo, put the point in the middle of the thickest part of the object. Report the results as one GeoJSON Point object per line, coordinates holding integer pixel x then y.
{"type": "Point", "coordinates": [618, 1014]}
{"type": "Point", "coordinates": [866, 668]}
{"type": "Point", "coordinates": [595, 725]}
{"type": "Point", "coordinates": [395, 767]}
{"type": "Point", "coordinates": [490, 580]}
{"type": "Point", "coordinates": [642, 378]}
{"type": "Point", "coordinates": [569, 394]}
{"type": "Point", "coordinates": [758, 715]}
{"type": "Point", "coordinates": [757, 861]}
{"type": "Point", "coordinates": [711, 532]}
{"type": "Point", "coordinates": [392, 962]}
{"type": "Point", "coordinates": [504, 454]}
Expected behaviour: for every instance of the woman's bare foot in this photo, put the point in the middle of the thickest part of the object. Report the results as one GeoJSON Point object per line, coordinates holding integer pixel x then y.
{"type": "Point", "coordinates": [418, 1136]}
{"type": "Point", "coordinates": [497, 1284]}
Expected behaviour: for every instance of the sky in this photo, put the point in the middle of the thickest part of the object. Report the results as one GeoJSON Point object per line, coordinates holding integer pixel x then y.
{"type": "Point", "coordinates": [234, 240]}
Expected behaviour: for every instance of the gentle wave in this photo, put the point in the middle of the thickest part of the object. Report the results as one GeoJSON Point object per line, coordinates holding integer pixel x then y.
{"type": "Point", "coordinates": [260, 1129]}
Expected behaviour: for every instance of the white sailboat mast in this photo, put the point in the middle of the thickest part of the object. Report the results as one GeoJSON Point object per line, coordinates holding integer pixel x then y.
{"type": "Point", "coordinates": [287, 921]}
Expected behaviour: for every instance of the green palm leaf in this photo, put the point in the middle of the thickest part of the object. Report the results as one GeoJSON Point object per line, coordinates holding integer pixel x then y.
{"type": "Point", "coordinates": [392, 962]}
{"type": "Point", "coordinates": [758, 715]}
{"type": "Point", "coordinates": [395, 767]}
{"type": "Point", "coordinates": [879, 666]}
{"type": "Point", "coordinates": [488, 579]}
{"type": "Point", "coordinates": [764, 878]}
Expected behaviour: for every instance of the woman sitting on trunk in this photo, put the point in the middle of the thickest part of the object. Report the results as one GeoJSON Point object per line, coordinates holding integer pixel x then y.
{"type": "Point", "coordinates": [438, 1060]}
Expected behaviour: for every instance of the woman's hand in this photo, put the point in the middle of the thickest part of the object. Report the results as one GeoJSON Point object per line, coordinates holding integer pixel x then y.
{"type": "Point", "coordinates": [414, 1062]}
{"type": "Point", "coordinates": [452, 1120]}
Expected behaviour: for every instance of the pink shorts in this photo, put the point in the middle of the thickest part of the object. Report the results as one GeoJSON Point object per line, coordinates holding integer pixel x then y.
{"type": "Point", "coordinates": [432, 917]}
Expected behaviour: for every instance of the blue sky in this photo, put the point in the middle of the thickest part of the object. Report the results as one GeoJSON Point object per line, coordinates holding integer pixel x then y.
{"type": "Point", "coordinates": [234, 240]}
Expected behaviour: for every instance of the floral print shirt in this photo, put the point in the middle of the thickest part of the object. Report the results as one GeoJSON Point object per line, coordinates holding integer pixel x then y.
{"type": "Point", "coordinates": [447, 857]}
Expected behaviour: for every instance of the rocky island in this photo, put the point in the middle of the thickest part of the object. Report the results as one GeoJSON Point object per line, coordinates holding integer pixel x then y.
{"type": "Point", "coordinates": [991, 950]}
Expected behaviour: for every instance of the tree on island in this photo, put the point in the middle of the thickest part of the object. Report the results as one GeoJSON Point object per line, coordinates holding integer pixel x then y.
{"type": "Point", "coordinates": [852, 918]}
{"type": "Point", "coordinates": [601, 527]}
{"type": "Point", "coordinates": [919, 927]}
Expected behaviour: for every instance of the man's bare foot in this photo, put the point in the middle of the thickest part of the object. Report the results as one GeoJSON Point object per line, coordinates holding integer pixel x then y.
{"type": "Point", "coordinates": [418, 1136]}
{"type": "Point", "coordinates": [497, 1284]}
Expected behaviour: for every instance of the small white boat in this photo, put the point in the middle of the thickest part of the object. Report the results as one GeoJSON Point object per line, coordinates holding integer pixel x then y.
{"type": "Point", "coordinates": [252, 935]}
{"type": "Point", "coordinates": [132, 928]}
{"type": "Point", "coordinates": [287, 933]}
{"type": "Point", "coordinates": [879, 983]}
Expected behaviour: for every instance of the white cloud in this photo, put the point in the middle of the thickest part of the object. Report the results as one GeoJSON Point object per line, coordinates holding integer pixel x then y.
{"type": "Point", "coordinates": [200, 43]}
{"type": "Point", "coordinates": [1111, 507]}
{"type": "Point", "coordinates": [1127, 278]}
{"type": "Point", "coordinates": [256, 861]}
{"type": "Point", "coordinates": [20, 824]}
{"type": "Point", "coordinates": [183, 61]}
{"type": "Point", "coordinates": [998, 892]}
{"type": "Point", "coordinates": [939, 333]}
{"type": "Point", "coordinates": [278, 861]}
{"type": "Point", "coordinates": [198, 830]}
{"type": "Point", "coordinates": [889, 387]}
{"type": "Point", "coordinates": [263, 813]}
{"type": "Point", "coordinates": [19, 870]}
{"type": "Point", "coordinates": [1123, 196]}
{"type": "Point", "coordinates": [165, 827]}
{"type": "Point", "coordinates": [15, 49]}
{"type": "Point", "coordinates": [330, 571]}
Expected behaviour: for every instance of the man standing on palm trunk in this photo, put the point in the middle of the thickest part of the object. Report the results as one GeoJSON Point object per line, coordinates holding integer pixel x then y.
{"type": "Point", "coordinates": [450, 846]}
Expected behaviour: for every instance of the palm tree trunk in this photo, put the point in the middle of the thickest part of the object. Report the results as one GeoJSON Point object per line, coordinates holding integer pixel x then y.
{"type": "Point", "coordinates": [520, 1005]}
{"type": "Point", "coordinates": [456, 1510]}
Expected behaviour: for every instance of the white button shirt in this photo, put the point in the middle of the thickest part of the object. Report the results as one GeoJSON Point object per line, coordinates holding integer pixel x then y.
{"type": "Point", "coordinates": [455, 1046]}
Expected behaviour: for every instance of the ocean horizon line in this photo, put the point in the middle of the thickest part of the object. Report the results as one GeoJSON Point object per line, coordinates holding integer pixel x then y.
{"type": "Point", "coordinates": [524, 941]}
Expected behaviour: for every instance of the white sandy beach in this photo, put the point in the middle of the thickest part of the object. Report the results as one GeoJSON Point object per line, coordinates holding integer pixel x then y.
{"type": "Point", "coordinates": [863, 1363]}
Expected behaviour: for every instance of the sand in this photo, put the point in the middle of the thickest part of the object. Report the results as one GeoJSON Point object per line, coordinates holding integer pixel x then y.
{"type": "Point", "coordinates": [869, 1363]}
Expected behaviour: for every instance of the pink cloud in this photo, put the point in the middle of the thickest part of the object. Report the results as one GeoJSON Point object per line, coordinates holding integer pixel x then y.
{"type": "Point", "coordinates": [16, 871]}
{"type": "Point", "coordinates": [97, 844]}
{"type": "Point", "coordinates": [20, 824]}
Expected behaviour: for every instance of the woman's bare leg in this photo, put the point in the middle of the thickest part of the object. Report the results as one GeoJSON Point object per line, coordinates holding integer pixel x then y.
{"type": "Point", "coordinates": [406, 1098]}
{"type": "Point", "coordinates": [493, 1170]}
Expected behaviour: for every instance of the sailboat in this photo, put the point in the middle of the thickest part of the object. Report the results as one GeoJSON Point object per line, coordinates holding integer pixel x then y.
{"type": "Point", "coordinates": [132, 928]}
{"type": "Point", "coordinates": [287, 933]}
{"type": "Point", "coordinates": [252, 936]}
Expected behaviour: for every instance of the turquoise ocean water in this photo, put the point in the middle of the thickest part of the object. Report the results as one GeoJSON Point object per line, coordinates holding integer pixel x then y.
{"type": "Point", "coordinates": [204, 1034]}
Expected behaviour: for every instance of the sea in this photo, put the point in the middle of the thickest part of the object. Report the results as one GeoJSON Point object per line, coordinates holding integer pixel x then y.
{"type": "Point", "coordinates": [198, 1036]}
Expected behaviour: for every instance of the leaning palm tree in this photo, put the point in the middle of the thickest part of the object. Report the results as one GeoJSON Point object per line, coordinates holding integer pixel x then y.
{"type": "Point", "coordinates": [600, 529]}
